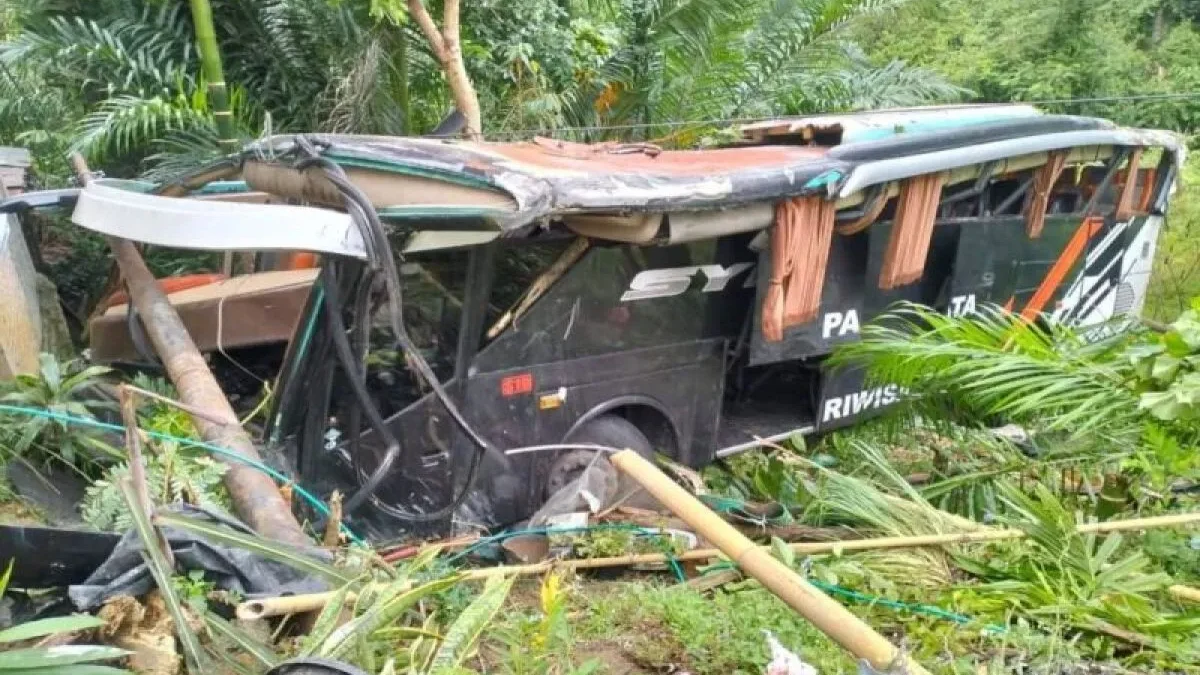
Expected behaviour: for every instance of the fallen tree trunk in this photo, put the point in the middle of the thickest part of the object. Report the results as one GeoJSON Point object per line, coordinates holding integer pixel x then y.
{"type": "Point", "coordinates": [256, 498]}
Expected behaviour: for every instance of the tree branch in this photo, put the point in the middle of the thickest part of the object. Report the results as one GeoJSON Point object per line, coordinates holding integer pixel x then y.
{"type": "Point", "coordinates": [416, 8]}
{"type": "Point", "coordinates": [448, 51]}
{"type": "Point", "coordinates": [450, 20]}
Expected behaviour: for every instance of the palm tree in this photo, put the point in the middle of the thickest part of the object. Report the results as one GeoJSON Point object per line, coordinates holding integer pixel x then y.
{"type": "Point", "coordinates": [135, 98]}
{"type": "Point", "coordinates": [132, 72]}
{"type": "Point", "coordinates": [677, 60]}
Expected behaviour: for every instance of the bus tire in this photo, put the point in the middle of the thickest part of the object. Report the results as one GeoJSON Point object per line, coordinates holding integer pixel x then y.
{"type": "Point", "coordinates": [609, 431]}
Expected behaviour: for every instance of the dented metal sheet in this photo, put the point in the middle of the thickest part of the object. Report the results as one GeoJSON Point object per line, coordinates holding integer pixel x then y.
{"type": "Point", "coordinates": [547, 178]}
{"type": "Point", "coordinates": [515, 185]}
{"type": "Point", "coordinates": [879, 124]}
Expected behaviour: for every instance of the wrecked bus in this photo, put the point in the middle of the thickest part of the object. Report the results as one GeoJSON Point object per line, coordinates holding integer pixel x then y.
{"type": "Point", "coordinates": [473, 298]}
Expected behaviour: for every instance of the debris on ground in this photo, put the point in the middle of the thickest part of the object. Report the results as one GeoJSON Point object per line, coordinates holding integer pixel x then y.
{"type": "Point", "coordinates": [146, 630]}
{"type": "Point", "coordinates": [232, 569]}
{"type": "Point", "coordinates": [784, 661]}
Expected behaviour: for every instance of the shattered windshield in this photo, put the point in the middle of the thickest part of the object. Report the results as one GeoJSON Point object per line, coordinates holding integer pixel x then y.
{"type": "Point", "coordinates": [433, 287]}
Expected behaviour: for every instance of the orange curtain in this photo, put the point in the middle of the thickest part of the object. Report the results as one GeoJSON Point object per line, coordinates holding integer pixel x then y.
{"type": "Point", "coordinates": [1125, 209]}
{"type": "Point", "coordinates": [799, 254]}
{"type": "Point", "coordinates": [912, 230]}
{"type": "Point", "coordinates": [1149, 179]}
{"type": "Point", "coordinates": [1043, 184]}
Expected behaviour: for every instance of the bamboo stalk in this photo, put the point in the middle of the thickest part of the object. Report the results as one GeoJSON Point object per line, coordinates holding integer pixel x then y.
{"type": "Point", "coordinates": [262, 608]}
{"type": "Point", "coordinates": [1181, 592]}
{"type": "Point", "coordinates": [265, 607]}
{"type": "Point", "coordinates": [842, 626]}
{"type": "Point", "coordinates": [256, 498]}
{"type": "Point", "coordinates": [214, 74]}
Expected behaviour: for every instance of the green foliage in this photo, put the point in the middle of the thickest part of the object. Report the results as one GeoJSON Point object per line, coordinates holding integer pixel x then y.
{"type": "Point", "coordinates": [541, 642]}
{"type": "Point", "coordinates": [1081, 581]}
{"type": "Point", "coordinates": [1029, 50]}
{"type": "Point", "coordinates": [127, 77]}
{"type": "Point", "coordinates": [43, 627]}
{"type": "Point", "coordinates": [763, 477]}
{"type": "Point", "coordinates": [48, 660]}
{"type": "Point", "coordinates": [994, 365]}
{"type": "Point", "coordinates": [193, 590]}
{"type": "Point", "coordinates": [462, 635]}
{"type": "Point", "coordinates": [63, 389]}
{"type": "Point", "coordinates": [161, 570]}
{"type": "Point", "coordinates": [81, 659]}
{"type": "Point", "coordinates": [1176, 280]}
{"type": "Point", "coordinates": [1178, 553]}
{"type": "Point", "coordinates": [614, 541]}
{"type": "Point", "coordinates": [173, 475]}
{"type": "Point", "coordinates": [670, 61]}
{"type": "Point", "coordinates": [1167, 370]}
{"type": "Point", "coordinates": [283, 554]}
{"type": "Point", "coordinates": [714, 635]}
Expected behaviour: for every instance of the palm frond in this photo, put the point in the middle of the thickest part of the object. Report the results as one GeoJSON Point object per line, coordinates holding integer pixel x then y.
{"type": "Point", "coordinates": [124, 123]}
{"type": "Point", "coordinates": [139, 54]}
{"type": "Point", "coordinates": [359, 100]}
{"type": "Point", "coordinates": [389, 604]}
{"type": "Point", "coordinates": [181, 151]}
{"type": "Point", "coordinates": [995, 364]}
{"type": "Point", "coordinates": [161, 570]}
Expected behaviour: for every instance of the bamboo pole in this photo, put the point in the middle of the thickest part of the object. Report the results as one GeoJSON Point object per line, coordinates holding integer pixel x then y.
{"type": "Point", "coordinates": [842, 626]}
{"type": "Point", "coordinates": [255, 496]}
{"type": "Point", "coordinates": [265, 607]}
{"type": "Point", "coordinates": [214, 74]}
{"type": "Point", "coordinates": [1181, 592]}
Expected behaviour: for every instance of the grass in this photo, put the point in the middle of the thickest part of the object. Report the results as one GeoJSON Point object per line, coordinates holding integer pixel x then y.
{"type": "Point", "coordinates": [658, 626]}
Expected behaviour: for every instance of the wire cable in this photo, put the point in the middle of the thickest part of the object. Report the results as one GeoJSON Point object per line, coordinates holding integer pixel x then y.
{"type": "Point", "coordinates": [382, 259]}
{"type": "Point", "coordinates": [725, 121]}
{"type": "Point", "coordinates": [320, 506]}
{"type": "Point", "coordinates": [877, 601]}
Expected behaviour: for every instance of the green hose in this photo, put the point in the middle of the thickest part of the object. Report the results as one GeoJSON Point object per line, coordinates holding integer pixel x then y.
{"type": "Point", "coordinates": [226, 453]}
{"type": "Point", "coordinates": [876, 601]}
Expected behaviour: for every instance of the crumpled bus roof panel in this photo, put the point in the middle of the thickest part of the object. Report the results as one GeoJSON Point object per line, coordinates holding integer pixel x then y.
{"type": "Point", "coordinates": [528, 181]}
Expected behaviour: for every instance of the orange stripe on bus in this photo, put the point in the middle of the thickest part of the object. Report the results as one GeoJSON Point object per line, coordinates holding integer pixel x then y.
{"type": "Point", "coordinates": [1066, 260]}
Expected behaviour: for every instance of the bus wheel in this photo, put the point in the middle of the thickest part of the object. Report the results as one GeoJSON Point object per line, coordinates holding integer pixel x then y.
{"type": "Point", "coordinates": [609, 431]}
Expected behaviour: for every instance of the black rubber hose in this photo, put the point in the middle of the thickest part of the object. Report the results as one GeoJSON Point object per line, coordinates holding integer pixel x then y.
{"type": "Point", "coordinates": [377, 235]}
{"type": "Point", "coordinates": [333, 310]}
{"type": "Point", "coordinates": [333, 317]}
{"type": "Point", "coordinates": [380, 255]}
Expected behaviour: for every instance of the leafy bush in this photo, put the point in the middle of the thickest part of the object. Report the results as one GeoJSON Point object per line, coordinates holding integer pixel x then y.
{"type": "Point", "coordinates": [1167, 370]}
{"type": "Point", "coordinates": [59, 389]}
{"type": "Point", "coordinates": [173, 475]}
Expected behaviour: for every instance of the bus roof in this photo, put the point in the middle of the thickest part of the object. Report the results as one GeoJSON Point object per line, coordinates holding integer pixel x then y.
{"type": "Point", "coordinates": [515, 184]}
{"type": "Point", "coordinates": [456, 193]}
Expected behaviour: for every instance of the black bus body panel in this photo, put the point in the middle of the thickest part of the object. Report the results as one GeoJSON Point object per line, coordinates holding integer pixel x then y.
{"type": "Point", "coordinates": [654, 329]}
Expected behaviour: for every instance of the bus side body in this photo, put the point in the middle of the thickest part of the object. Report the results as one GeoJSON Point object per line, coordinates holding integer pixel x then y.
{"type": "Point", "coordinates": [665, 336]}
